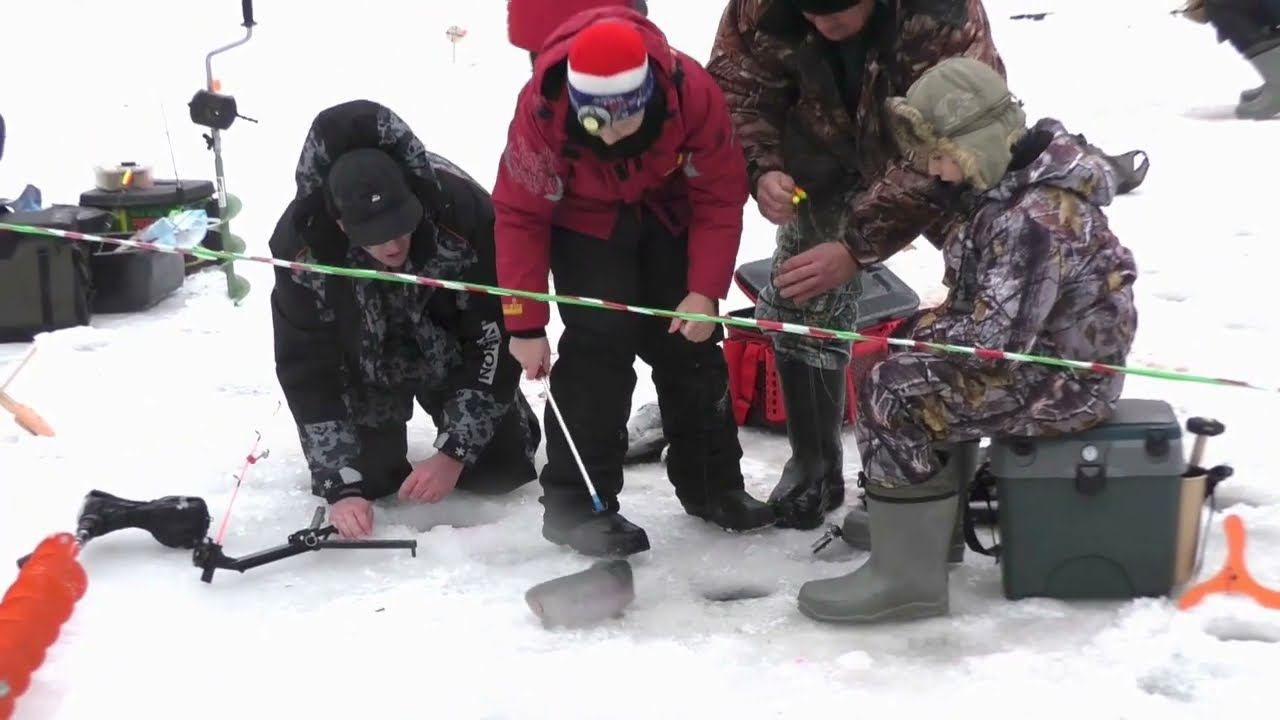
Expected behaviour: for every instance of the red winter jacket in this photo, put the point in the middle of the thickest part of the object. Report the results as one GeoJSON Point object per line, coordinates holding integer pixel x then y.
{"type": "Point", "coordinates": [529, 22]}
{"type": "Point", "coordinates": [693, 177]}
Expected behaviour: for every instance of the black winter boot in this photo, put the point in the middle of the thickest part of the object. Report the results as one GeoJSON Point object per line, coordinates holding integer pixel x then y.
{"type": "Point", "coordinates": [812, 481]}
{"type": "Point", "coordinates": [607, 534]}
{"type": "Point", "coordinates": [704, 457]}
{"type": "Point", "coordinates": [734, 510]}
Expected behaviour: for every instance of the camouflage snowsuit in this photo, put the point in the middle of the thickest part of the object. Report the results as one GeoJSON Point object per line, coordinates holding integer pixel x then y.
{"type": "Point", "coordinates": [789, 91]}
{"type": "Point", "coordinates": [353, 354]}
{"type": "Point", "coordinates": [1035, 270]}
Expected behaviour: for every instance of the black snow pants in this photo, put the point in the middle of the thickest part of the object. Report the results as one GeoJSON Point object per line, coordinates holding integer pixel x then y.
{"type": "Point", "coordinates": [1246, 24]}
{"type": "Point", "coordinates": [593, 377]}
{"type": "Point", "coordinates": [505, 464]}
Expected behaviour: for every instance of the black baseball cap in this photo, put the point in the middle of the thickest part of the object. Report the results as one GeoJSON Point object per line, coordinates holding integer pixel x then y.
{"type": "Point", "coordinates": [372, 198]}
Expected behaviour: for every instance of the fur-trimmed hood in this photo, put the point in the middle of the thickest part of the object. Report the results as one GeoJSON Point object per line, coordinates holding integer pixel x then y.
{"type": "Point", "coordinates": [963, 108]}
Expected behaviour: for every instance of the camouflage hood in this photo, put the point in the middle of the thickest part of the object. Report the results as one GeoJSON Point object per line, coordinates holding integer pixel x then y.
{"type": "Point", "coordinates": [963, 108]}
{"type": "Point", "coordinates": [1064, 161]}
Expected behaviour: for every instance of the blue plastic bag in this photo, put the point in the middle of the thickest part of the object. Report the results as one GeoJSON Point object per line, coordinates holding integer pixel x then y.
{"type": "Point", "coordinates": [182, 229]}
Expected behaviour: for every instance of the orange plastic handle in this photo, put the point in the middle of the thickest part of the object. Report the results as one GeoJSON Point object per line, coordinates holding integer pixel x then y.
{"type": "Point", "coordinates": [26, 418]}
{"type": "Point", "coordinates": [1234, 578]}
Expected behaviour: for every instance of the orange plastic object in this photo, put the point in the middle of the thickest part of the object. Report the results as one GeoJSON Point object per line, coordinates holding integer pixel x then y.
{"type": "Point", "coordinates": [26, 418]}
{"type": "Point", "coordinates": [33, 611]}
{"type": "Point", "coordinates": [1234, 578]}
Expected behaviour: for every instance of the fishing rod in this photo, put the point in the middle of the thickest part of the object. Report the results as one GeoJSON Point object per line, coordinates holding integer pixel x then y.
{"type": "Point", "coordinates": [208, 555]}
{"type": "Point", "coordinates": [764, 325]}
{"type": "Point", "coordinates": [182, 522]}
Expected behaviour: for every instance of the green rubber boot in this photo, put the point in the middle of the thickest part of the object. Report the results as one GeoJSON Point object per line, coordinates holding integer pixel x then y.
{"type": "Point", "coordinates": [906, 576]}
{"type": "Point", "coordinates": [962, 459]}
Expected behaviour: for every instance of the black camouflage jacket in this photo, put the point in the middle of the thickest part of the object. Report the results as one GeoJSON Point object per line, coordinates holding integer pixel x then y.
{"type": "Point", "coordinates": [330, 330]}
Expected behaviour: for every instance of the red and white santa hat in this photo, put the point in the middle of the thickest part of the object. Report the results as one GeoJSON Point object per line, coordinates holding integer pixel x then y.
{"type": "Point", "coordinates": [609, 68]}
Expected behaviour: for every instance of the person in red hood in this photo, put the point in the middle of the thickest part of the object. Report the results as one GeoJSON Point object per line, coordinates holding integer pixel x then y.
{"type": "Point", "coordinates": [529, 22]}
{"type": "Point", "coordinates": [622, 176]}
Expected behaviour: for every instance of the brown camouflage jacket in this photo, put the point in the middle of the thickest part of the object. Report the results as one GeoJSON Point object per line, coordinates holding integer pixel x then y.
{"type": "Point", "coordinates": [779, 79]}
{"type": "Point", "coordinates": [1037, 269]}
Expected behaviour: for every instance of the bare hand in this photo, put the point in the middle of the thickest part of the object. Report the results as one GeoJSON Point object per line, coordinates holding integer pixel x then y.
{"type": "Point", "coordinates": [533, 354]}
{"type": "Point", "coordinates": [352, 517]}
{"type": "Point", "coordinates": [774, 190]}
{"type": "Point", "coordinates": [432, 480]}
{"type": "Point", "coordinates": [815, 271]}
{"type": "Point", "coordinates": [694, 330]}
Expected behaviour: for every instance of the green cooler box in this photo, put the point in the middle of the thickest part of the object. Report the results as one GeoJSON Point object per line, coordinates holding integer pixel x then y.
{"type": "Point", "coordinates": [1093, 514]}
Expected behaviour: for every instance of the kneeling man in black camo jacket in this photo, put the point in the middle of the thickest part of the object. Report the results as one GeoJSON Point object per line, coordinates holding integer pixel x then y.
{"type": "Point", "coordinates": [352, 355]}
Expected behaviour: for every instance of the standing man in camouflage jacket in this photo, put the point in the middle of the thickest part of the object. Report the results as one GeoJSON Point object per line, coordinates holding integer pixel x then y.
{"type": "Point", "coordinates": [806, 82]}
{"type": "Point", "coordinates": [352, 355]}
{"type": "Point", "coordinates": [1034, 269]}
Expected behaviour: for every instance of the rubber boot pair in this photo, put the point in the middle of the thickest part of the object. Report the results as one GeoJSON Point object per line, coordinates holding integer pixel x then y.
{"type": "Point", "coordinates": [1262, 102]}
{"type": "Point", "coordinates": [960, 459]}
{"type": "Point", "coordinates": [812, 481]}
{"type": "Point", "coordinates": [905, 578]}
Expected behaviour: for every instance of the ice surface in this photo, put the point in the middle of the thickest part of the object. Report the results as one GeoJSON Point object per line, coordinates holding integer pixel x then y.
{"type": "Point", "coordinates": [168, 402]}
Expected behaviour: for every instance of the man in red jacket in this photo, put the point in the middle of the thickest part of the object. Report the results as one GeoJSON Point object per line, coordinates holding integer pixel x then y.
{"type": "Point", "coordinates": [622, 177]}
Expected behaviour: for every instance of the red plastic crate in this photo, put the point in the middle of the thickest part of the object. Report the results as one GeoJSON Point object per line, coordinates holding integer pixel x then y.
{"type": "Point", "coordinates": [753, 376]}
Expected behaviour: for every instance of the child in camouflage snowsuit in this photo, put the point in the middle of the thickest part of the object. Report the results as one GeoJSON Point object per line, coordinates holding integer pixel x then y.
{"type": "Point", "coordinates": [1035, 269]}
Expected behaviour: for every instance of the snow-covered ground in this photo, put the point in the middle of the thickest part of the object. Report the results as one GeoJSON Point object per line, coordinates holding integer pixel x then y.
{"type": "Point", "coordinates": [167, 402]}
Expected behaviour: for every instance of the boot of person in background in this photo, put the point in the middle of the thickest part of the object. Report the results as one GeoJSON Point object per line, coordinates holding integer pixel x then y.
{"type": "Point", "coordinates": [1263, 103]}
{"type": "Point", "coordinates": [1253, 29]}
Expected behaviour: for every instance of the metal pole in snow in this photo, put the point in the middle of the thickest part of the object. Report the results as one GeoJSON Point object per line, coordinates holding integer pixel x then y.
{"type": "Point", "coordinates": [573, 447]}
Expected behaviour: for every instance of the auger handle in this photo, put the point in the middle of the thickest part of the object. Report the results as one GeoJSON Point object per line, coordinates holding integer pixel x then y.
{"type": "Point", "coordinates": [1203, 429]}
{"type": "Point", "coordinates": [1205, 426]}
